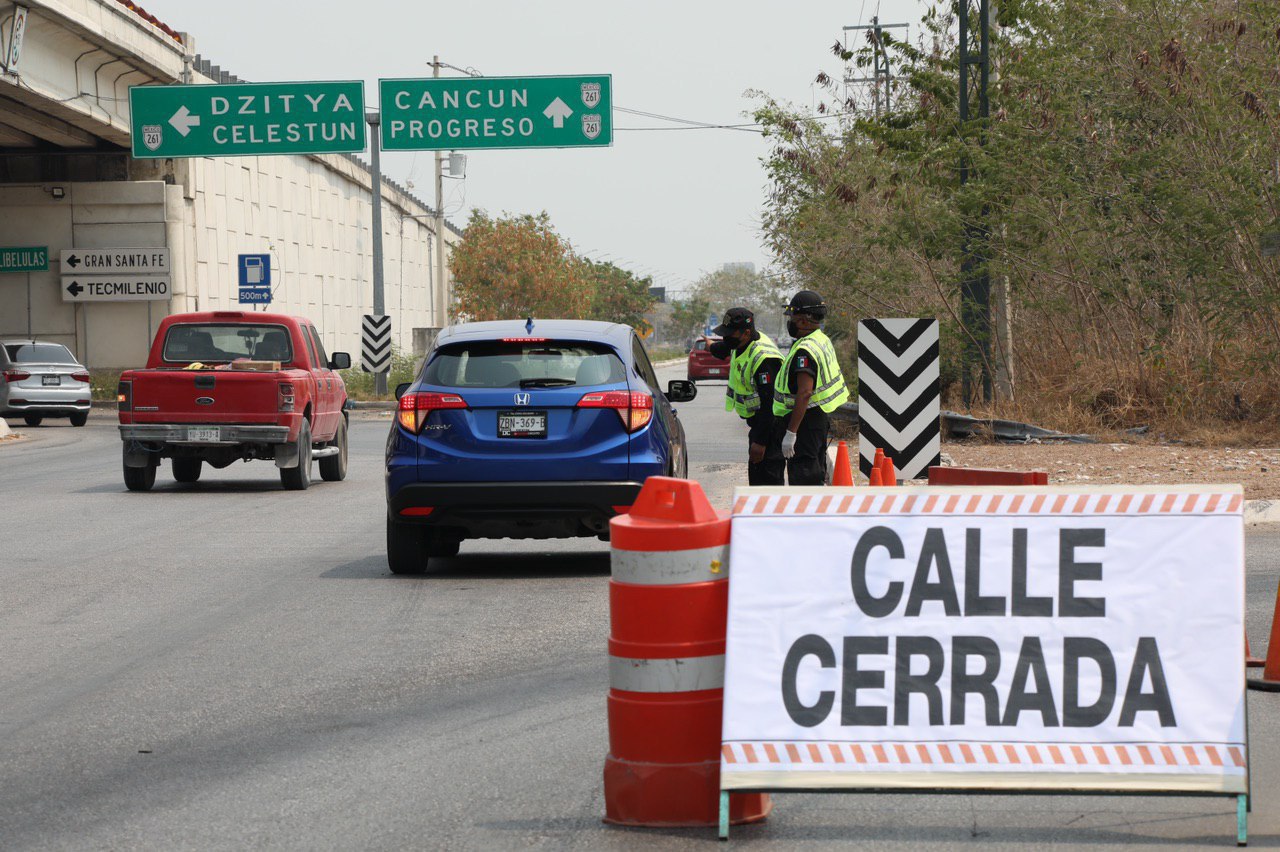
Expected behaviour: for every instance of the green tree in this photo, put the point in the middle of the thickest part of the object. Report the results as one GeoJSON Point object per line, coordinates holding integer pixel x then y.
{"type": "Point", "coordinates": [1119, 191]}
{"type": "Point", "coordinates": [736, 287]}
{"type": "Point", "coordinates": [518, 266]}
{"type": "Point", "coordinates": [687, 318]}
{"type": "Point", "coordinates": [618, 295]}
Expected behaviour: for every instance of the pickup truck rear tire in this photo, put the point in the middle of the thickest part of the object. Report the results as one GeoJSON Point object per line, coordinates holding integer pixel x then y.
{"type": "Point", "coordinates": [299, 478]}
{"type": "Point", "coordinates": [406, 553]}
{"type": "Point", "coordinates": [187, 470]}
{"type": "Point", "coordinates": [139, 478]}
{"type": "Point", "coordinates": [334, 468]}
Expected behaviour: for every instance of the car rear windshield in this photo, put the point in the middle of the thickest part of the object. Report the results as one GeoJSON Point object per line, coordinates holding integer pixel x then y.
{"type": "Point", "coordinates": [39, 353]}
{"type": "Point", "coordinates": [205, 342]}
{"type": "Point", "coordinates": [510, 364]}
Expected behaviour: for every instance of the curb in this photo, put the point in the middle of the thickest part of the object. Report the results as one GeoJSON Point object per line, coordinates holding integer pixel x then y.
{"type": "Point", "coordinates": [671, 362]}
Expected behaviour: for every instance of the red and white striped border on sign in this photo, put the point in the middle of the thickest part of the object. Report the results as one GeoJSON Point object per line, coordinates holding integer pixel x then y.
{"type": "Point", "coordinates": [1012, 503]}
{"type": "Point", "coordinates": [1198, 757]}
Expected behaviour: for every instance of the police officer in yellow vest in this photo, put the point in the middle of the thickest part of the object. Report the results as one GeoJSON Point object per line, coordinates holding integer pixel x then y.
{"type": "Point", "coordinates": [810, 387]}
{"type": "Point", "coordinates": [753, 371]}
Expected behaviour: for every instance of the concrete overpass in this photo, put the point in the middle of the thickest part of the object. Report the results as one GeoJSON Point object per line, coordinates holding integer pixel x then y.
{"type": "Point", "coordinates": [67, 181]}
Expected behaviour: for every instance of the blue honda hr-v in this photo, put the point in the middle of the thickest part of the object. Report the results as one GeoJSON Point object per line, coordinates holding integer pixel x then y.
{"type": "Point", "coordinates": [526, 429]}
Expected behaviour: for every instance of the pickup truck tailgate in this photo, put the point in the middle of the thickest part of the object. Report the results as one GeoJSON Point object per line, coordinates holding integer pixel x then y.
{"type": "Point", "coordinates": [206, 396]}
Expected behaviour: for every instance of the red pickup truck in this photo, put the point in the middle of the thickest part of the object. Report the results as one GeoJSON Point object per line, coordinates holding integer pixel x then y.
{"type": "Point", "coordinates": [223, 386]}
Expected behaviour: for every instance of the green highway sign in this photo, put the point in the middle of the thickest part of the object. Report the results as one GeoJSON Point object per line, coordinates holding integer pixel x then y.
{"type": "Point", "coordinates": [235, 119]}
{"type": "Point", "coordinates": [24, 259]}
{"type": "Point", "coordinates": [447, 113]}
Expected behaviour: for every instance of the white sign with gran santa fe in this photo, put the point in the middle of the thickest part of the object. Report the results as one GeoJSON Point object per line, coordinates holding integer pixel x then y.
{"type": "Point", "coordinates": [986, 638]}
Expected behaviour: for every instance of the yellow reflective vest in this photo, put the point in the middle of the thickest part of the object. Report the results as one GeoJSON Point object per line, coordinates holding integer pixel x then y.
{"type": "Point", "coordinates": [741, 394]}
{"type": "Point", "coordinates": [829, 391]}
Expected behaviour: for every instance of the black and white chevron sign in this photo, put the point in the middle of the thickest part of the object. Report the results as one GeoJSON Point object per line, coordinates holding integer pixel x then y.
{"type": "Point", "coordinates": [898, 400]}
{"type": "Point", "coordinates": [375, 343]}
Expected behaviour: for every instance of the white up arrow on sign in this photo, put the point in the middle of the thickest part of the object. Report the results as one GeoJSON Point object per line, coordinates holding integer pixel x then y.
{"type": "Point", "coordinates": [558, 111]}
{"type": "Point", "coordinates": [183, 121]}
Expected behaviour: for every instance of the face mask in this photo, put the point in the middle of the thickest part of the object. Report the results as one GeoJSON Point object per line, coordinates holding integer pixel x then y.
{"type": "Point", "coordinates": [792, 328]}
{"type": "Point", "coordinates": [719, 349]}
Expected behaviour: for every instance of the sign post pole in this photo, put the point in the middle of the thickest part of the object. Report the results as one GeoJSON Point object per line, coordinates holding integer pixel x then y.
{"type": "Point", "coordinates": [379, 306]}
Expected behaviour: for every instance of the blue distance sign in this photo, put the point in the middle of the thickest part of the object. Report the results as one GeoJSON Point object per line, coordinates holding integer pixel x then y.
{"type": "Point", "coordinates": [255, 279]}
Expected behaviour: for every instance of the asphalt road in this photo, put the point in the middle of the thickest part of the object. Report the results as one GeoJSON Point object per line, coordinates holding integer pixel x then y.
{"type": "Point", "coordinates": [229, 665]}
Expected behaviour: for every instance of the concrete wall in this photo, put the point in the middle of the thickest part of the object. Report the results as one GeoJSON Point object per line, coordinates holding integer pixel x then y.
{"type": "Point", "coordinates": [311, 214]}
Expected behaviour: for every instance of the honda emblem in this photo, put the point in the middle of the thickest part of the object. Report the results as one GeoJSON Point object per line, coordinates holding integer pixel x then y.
{"type": "Point", "coordinates": [522, 399]}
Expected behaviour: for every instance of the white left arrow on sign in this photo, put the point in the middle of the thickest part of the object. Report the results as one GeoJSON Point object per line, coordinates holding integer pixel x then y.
{"type": "Point", "coordinates": [557, 111]}
{"type": "Point", "coordinates": [183, 120]}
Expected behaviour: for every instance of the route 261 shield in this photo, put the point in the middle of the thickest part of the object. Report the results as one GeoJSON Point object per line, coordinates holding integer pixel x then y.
{"type": "Point", "coordinates": [152, 136]}
{"type": "Point", "coordinates": [590, 96]}
{"type": "Point", "coordinates": [591, 126]}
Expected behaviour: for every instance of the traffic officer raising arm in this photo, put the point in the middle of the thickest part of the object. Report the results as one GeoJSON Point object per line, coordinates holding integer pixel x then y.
{"type": "Point", "coordinates": [753, 371]}
{"type": "Point", "coordinates": [810, 387]}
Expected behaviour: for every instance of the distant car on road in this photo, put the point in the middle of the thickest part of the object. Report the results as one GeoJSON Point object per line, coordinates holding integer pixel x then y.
{"type": "Point", "coordinates": [519, 429]}
{"type": "Point", "coordinates": [226, 386]}
{"type": "Point", "coordinates": [704, 365]}
{"type": "Point", "coordinates": [39, 379]}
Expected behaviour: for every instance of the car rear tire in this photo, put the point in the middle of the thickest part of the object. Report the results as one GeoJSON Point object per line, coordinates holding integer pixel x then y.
{"type": "Point", "coordinates": [187, 470]}
{"type": "Point", "coordinates": [32, 419]}
{"type": "Point", "coordinates": [334, 468]}
{"type": "Point", "coordinates": [139, 478]}
{"type": "Point", "coordinates": [299, 478]}
{"type": "Point", "coordinates": [79, 418]}
{"type": "Point", "coordinates": [405, 552]}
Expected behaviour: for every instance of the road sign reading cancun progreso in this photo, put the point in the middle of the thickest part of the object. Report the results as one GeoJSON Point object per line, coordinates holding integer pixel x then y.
{"type": "Point", "coordinates": [496, 112]}
{"type": "Point", "coordinates": [227, 120]}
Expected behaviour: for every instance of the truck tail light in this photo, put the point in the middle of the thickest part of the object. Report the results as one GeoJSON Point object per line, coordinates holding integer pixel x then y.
{"type": "Point", "coordinates": [416, 407]}
{"type": "Point", "coordinates": [81, 377]}
{"type": "Point", "coordinates": [634, 408]}
{"type": "Point", "coordinates": [286, 396]}
{"type": "Point", "coordinates": [16, 375]}
{"type": "Point", "coordinates": [124, 396]}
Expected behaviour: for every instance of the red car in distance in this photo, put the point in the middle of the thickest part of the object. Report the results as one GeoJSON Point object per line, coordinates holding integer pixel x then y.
{"type": "Point", "coordinates": [704, 365]}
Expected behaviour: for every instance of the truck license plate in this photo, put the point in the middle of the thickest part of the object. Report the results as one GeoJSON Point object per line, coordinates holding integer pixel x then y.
{"type": "Point", "coordinates": [50, 380]}
{"type": "Point", "coordinates": [522, 424]}
{"type": "Point", "coordinates": [203, 435]}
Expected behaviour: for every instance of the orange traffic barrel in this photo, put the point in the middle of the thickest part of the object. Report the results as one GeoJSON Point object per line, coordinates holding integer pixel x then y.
{"type": "Point", "coordinates": [668, 607]}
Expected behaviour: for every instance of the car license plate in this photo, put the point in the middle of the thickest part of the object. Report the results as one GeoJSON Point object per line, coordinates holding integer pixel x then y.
{"type": "Point", "coordinates": [714, 371]}
{"type": "Point", "coordinates": [522, 424]}
{"type": "Point", "coordinates": [50, 380]}
{"type": "Point", "coordinates": [203, 435]}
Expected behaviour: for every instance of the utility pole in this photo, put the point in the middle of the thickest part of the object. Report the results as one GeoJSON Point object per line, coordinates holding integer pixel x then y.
{"type": "Point", "coordinates": [379, 305]}
{"type": "Point", "coordinates": [881, 73]}
{"type": "Point", "coordinates": [442, 300]}
{"type": "Point", "coordinates": [975, 278]}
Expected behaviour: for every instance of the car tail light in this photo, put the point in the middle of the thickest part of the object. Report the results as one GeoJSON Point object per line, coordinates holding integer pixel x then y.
{"type": "Point", "coordinates": [124, 396]}
{"type": "Point", "coordinates": [16, 375]}
{"type": "Point", "coordinates": [635, 408]}
{"type": "Point", "coordinates": [81, 377]}
{"type": "Point", "coordinates": [286, 396]}
{"type": "Point", "coordinates": [622, 510]}
{"type": "Point", "coordinates": [417, 511]}
{"type": "Point", "coordinates": [416, 407]}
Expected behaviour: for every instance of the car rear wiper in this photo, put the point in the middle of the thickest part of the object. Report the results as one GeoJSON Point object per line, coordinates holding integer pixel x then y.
{"type": "Point", "coordinates": [546, 383]}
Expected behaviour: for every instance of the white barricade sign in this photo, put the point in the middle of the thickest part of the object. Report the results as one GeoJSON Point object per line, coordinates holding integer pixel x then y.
{"type": "Point", "coordinates": [1087, 639]}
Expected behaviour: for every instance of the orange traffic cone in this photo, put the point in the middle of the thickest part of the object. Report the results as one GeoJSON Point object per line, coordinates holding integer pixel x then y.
{"type": "Point", "coordinates": [879, 459]}
{"type": "Point", "coordinates": [1249, 659]}
{"type": "Point", "coordinates": [876, 479]}
{"type": "Point", "coordinates": [888, 476]}
{"type": "Point", "coordinates": [843, 474]}
{"type": "Point", "coordinates": [1270, 680]}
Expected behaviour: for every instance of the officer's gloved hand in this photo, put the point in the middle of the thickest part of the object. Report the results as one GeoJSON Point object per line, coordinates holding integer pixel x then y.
{"type": "Point", "coordinates": [788, 445]}
{"type": "Point", "coordinates": [720, 349]}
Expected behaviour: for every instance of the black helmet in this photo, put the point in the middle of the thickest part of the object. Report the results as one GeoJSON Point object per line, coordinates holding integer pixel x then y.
{"type": "Point", "coordinates": [809, 303]}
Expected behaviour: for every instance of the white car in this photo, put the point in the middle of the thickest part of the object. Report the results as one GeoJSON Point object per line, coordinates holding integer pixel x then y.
{"type": "Point", "coordinates": [39, 379]}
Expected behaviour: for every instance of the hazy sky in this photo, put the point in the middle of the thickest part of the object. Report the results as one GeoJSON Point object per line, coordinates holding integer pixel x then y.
{"type": "Point", "coordinates": [671, 203]}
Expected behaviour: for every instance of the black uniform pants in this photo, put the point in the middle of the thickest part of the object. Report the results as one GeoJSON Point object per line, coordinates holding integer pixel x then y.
{"type": "Point", "coordinates": [809, 465]}
{"type": "Point", "coordinates": [771, 470]}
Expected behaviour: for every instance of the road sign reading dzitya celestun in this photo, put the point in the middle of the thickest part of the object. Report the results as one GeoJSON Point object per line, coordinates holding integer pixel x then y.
{"type": "Point", "coordinates": [496, 112]}
{"type": "Point", "coordinates": [227, 120]}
